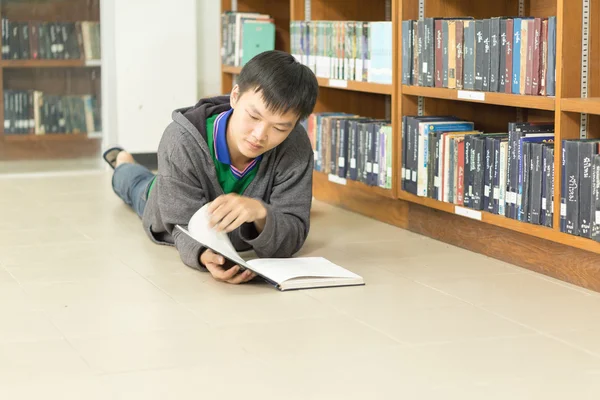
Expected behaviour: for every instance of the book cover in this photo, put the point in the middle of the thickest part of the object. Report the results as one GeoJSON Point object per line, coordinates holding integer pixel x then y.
{"type": "Point", "coordinates": [530, 47]}
{"type": "Point", "coordinates": [487, 53]}
{"type": "Point", "coordinates": [444, 54]}
{"type": "Point", "coordinates": [406, 52]}
{"type": "Point", "coordinates": [524, 55]}
{"type": "Point", "coordinates": [501, 209]}
{"type": "Point", "coordinates": [537, 172]}
{"type": "Point", "coordinates": [535, 80]}
{"type": "Point", "coordinates": [551, 71]}
{"type": "Point", "coordinates": [572, 186]}
{"type": "Point", "coordinates": [508, 71]}
{"type": "Point", "coordinates": [479, 54]}
{"type": "Point", "coordinates": [543, 57]}
{"type": "Point", "coordinates": [524, 210]}
{"type": "Point", "coordinates": [495, 52]}
{"type": "Point", "coordinates": [452, 53]}
{"type": "Point", "coordinates": [469, 55]}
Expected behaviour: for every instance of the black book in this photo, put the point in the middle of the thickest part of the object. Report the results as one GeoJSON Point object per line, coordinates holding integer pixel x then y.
{"type": "Point", "coordinates": [479, 45]}
{"type": "Point", "coordinates": [596, 198]}
{"type": "Point", "coordinates": [430, 50]}
{"type": "Point", "coordinates": [587, 151]}
{"type": "Point", "coordinates": [489, 151]}
{"type": "Point", "coordinates": [437, 182]}
{"type": "Point", "coordinates": [478, 173]}
{"type": "Point", "coordinates": [445, 35]}
{"type": "Point", "coordinates": [496, 45]}
{"type": "Point", "coordinates": [405, 144]}
{"type": "Point", "coordinates": [468, 185]}
{"type": "Point", "coordinates": [503, 40]}
{"type": "Point", "coordinates": [536, 187]}
{"type": "Point", "coordinates": [406, 51]}
{"type": "Point", "coordinates": [572, 183]}
{"type": "Point", "coordinates": [487, 53]}
{"type": "Point", "coordinates": [526, 159]}
{"type": "Point", "coordinates": [431, 159]}
{"type": "Point", "coordinates": [422, 70]}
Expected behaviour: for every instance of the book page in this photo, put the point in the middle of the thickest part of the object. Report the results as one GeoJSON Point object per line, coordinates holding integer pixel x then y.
{"type": "Point", "coordinates": [282, 269]}
{"type": "Point", "coordinates": [199, 229]}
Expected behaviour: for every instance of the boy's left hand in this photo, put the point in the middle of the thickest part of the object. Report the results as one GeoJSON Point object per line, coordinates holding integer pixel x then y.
{"type": "Point", "coordinates": [229, 211]}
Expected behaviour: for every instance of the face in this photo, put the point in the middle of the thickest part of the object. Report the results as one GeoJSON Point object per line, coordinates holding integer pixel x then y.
{"type": "Point", "coordinates": [254, 129]}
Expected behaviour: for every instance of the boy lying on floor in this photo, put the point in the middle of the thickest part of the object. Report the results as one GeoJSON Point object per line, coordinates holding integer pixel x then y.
{"type": "Point", "coordinates": [246, 154]}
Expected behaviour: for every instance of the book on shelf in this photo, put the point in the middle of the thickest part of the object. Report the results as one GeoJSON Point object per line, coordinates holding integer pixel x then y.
{"type": "Point", "coordinates": [500, 54]}
{"type": "Point", "coordinates": [39, 40]}
{"type": "Point", "coordinates": [345, 50]}
{"type": "Point", "coordinates": [244, 35]}
{"type": "Point", "coordinates": [283, 273]}
{"type": "Point", "coordinates": [504, 173]}
{"type": "Point", "coordinates": [34, 112]}
{"type": "Point", "coordinates": [352, 147]}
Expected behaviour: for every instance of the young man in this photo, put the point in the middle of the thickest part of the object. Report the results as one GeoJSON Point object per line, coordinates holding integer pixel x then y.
{"type": "Point", "coordinates": [246, 154]}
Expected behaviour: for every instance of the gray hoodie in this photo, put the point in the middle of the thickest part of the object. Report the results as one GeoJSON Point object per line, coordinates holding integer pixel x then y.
{"type": "Point", "coordinates": [187, 179]}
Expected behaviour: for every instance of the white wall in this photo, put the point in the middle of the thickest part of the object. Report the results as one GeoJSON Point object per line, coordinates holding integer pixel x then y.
{"type": "Point", "coordinates": [209, 50]}
{"type": "Point", "coordinates": [155, 68]}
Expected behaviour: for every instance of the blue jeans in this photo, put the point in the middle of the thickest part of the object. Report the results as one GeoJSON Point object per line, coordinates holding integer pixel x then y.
{"type": "Point", "coordinates": [131, 183]}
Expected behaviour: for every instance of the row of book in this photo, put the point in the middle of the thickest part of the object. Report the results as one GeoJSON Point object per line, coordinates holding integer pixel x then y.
{"type": "Point", "coordinates": [34, 112]}
{"type": "Point", "coordinates": [505, 55]}
{"type": "Point", "coordinates": [505, 173]}
{"type": "Point", "coordinates": [244, 35]}
{"type": "Point", "coordinates": [352, 147]}
{"type": "Point", "coordinates": [345, 50]}
{"type": "Point", "coordinates": [37, 40]}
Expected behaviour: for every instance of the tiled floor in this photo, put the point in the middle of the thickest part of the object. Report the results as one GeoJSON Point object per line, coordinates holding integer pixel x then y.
{"type": "Point", "coordinates": [91, 309]}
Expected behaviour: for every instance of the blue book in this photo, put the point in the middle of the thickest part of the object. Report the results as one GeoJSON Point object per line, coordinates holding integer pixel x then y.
{"type": "Point", "coordinates": [380, 45]}
{"type": "Point", "coordinates": [551, 74]}
{"type": "Point", "coordinates": [516, 78]}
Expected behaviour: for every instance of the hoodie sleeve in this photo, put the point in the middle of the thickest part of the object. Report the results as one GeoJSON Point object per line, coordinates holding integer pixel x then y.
{"type": "Point", "coordinates": [180, 194]}
{"type": "Point", "coordinates": [288, 209]}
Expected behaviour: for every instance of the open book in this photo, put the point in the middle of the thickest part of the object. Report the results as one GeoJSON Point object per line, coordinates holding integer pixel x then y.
{"type": "Point", "coordinates": [283, 273]}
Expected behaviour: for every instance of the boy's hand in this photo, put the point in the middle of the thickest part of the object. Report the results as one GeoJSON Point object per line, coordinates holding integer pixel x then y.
{"type": "Point", "coordinates": [213, 263]}
{"type": "Point", "coordinates": [229, 211]}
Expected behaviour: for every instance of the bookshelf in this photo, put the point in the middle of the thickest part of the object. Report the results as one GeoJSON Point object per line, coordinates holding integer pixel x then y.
{"type": "Point", "coordinates": [65, 69]}
{"type": "Point", "coordinates": [543, 249]}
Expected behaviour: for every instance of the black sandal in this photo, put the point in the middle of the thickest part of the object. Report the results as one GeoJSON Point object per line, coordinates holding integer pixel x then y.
{"type": "Point", "coordinates": [110, 155]}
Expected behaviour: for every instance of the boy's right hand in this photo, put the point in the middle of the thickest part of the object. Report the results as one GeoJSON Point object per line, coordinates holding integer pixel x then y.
{"type": "Point", "coordinates": [213, 262]}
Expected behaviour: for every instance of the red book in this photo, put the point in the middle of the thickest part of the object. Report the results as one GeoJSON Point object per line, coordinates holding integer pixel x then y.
{"type": "Point", "coordinates": [535, 79]}
{"type": "Point", "coordinates": [438, 54]}
{"type": "Point", "coordinates": [460, 27]}
{"type": "Point", "coordinates": [543, 57]}
{"type": "Point", "coordinates": [509, 56]}
{"type": "Point", "coordinates": [529, 66]}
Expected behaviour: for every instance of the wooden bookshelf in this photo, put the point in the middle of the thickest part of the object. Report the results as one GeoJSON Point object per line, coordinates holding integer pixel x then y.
{"type": "Point", "coordinates": [60, 77]}
{"type": "Point", "coordinates": [230, 69]}
{"type": "Point", "coordinates": [546, 250]}
{"type": "Point", "coordinates": [590, 105]}
{"type": "Point", "coordinates": [499, 99]}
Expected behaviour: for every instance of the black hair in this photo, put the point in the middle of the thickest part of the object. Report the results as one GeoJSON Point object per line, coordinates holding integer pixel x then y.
{"type": "Point", "coordinates": [284, 83]}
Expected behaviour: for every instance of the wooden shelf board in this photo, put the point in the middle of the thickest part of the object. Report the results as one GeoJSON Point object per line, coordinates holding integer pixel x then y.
{"type": "Point", "coordinates": [508, 223]}
{"type": "Point", "coordinates": [501, 99]}
{"type": "Point", "coordinates": [49, 137]}
{"type": "Point", "coordinates": [229, 69]}
{"type": "Point", "coordinates": [354, 185]}
{"type": "Point", "coordinates": [355, 86]}
{"type": "Point", "coordinates": [591, 105]}
{"type": "Point", "coordinates": [49, 63]}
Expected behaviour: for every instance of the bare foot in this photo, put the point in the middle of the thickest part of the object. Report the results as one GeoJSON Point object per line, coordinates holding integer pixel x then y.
{"type": "Point", "coordinates": [124, 157]}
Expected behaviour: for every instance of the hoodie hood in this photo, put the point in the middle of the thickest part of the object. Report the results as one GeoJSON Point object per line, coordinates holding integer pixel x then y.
{"type": "Point", "coordinates": [196, 116]}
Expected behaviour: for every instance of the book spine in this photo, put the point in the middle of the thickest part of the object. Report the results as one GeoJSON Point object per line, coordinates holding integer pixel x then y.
{"type": "Point", "coordinates": [423, 132]}
{"type": "Point", "coordinates": [488, 173]}
{"type": "Point", "coordinates": [535, 201]}
{"type": "Point", "coordinates": [406, 54]}
{"type": "Point", "coordinates": [436, 167]}
{"type": "Point", "coordinates": [453, 176]}
{"type": "Point", "coordinates": [516, 56]}
{"type": "Point", "coordinates": [502, 67]}
{"type": "Point", "coordinates": [563, 188]}
{"type": "Point", "coordinates": [375, 137]}
{"type": "Point", "coordinates": [530, 52]}
{"type": "Point", "coordinates": [572, 173]}
{"type": "Point", "coordinates": [444, 54]}
{"type": "Point", "coordinates": [460, 198]}
{"type": "Point", "coordinates": [430, 29]}
{"type": "Point", "coordinates": [596, 199]}
{"type": "Point", "coordinates": [587, 150]}
{"type": "Point", "coordinates": [551, 74]}
{"type": "Point", "coordinates": [438, 53]}
{"type": "Point", "coordinates": [545, 203]}
{"type": "Point", "coordinates": [468, 188]}
{"type": "Point", "coordinates": [343, 149]}
{"type": "Point", "coordinates": [501, 210]}
{"type": "Point", "coordinates": [508, 72]}
{"type": "Point", "coordinates": [430, 161]}
{"type": "Point", "coordinates": [459, 53]}
{"type": "Point", "coordinates": [524, 56]}
{"type": "Point", "coordinates": [543, 58]}
{"type": "Point", "coordinates": [495, 54]}
{"type": "Point", "coordinates": [452, 54]}
{"type": "Point", "coordinates": [479, 174]}
{"type": "Point", "coordinates": [487, 53]}
{"type": "Point", "coordinates": [550, 189]}
{"type": "Point", "coordinates": [403, 154]}
{"type": "Point", "coordinates": [496, 177]}
{"type": "Point", "coordinates": [416, 46]}
{"type": "Point", "coordinates": [479, 51]}
{"type": "Point", "coordinates": [535, 80]}
{"type": "Point", "coordinates": [525, 211]}
{"type": "Point", "coordinates": [389, 140]}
